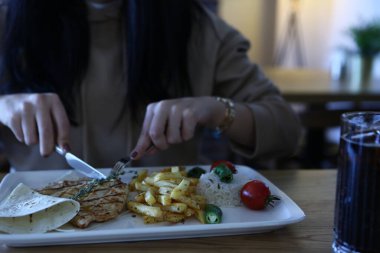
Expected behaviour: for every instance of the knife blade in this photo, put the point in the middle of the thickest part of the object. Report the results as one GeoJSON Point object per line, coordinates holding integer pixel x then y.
{"type": "Point", "coordinates": [79, 165]}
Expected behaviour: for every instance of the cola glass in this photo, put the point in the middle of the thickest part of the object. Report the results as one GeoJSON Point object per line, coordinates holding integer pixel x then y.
{"type": "Point", "coordinates": [357, 206]}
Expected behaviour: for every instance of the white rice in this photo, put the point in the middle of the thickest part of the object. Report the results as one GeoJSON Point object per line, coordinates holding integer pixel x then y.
{"type": "Point", "coordinates": [219, 193]}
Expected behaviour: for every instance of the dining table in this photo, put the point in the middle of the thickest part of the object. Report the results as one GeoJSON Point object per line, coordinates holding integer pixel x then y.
{"type": "Point", "coordinates": [313, 190]}
{"type": "Point", "coordinates": [315, 86]}
{"type": "Point", "coordinates": [319, 99]}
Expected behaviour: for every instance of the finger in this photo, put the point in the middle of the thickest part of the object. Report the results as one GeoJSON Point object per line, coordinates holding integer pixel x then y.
{"type": "Point", "coordinates": [158, 127]}
{"type": "Point", "coordinates": [189, 123]}
{"type": "Point", "coordinates": [144, 141]}
{"type": "Point", "coordinates": [28, 124]}
{"type": "Point", "coordinates": [45, 130]}
{"type": "Point", "coordinates": [15, 126]}
{"type": "Point", "coordinates": [61, 123]}
{"type": "Point", "coordinates": [173, 133]}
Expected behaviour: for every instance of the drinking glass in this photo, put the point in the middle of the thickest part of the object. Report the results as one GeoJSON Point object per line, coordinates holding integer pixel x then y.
{"type": "Point", "coordinates": [357, 206]}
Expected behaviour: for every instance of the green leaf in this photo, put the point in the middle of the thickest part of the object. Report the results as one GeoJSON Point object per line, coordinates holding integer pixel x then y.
{"type": "Point", "coordinates": [367, 38]}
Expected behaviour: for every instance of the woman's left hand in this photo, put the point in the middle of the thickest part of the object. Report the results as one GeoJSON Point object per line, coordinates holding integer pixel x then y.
{"type": "Point", "coordinates": [174, 121]}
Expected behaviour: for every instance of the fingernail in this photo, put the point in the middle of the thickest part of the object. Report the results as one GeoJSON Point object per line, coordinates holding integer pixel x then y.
{"type": "Point", "coordinates": [66, 147]}
{"type": "Point", "coordinates": [134, 154]}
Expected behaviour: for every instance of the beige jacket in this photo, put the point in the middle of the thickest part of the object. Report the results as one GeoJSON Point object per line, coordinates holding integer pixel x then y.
{"type": "Point", "coordinates": [219, 66]}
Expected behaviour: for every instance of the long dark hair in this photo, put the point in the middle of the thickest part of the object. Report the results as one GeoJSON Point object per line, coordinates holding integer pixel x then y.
{"type": "Point", "coordinates": [46, 48]}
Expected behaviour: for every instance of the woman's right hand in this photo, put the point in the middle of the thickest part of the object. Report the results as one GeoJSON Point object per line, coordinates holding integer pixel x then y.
{"type": "Point", "coordinates": [36, 119]}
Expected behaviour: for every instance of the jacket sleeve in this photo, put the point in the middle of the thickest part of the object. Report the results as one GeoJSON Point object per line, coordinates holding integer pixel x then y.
{"type": "Point", "coordinates": [278, 128]}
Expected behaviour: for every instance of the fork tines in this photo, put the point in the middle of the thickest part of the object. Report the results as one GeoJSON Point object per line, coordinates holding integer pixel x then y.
{"type": "Point", "coordinates": [119, 166]}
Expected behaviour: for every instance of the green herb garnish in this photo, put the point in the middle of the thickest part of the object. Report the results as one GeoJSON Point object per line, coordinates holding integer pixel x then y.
{"type": "Point", "coordinates": [195, 172]}
{"type": "Point", "coordinates": [85, 190]}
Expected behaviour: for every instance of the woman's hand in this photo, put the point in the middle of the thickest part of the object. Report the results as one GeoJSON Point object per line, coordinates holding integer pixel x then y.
{"type": "Point", "coordinates": [174, 121]}
{"type": "Point", "coordinates": [36, 118]}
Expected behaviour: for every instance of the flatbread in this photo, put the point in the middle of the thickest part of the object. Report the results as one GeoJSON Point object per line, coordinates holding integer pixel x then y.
{"type": "Point", "coordinates": [26, 211]}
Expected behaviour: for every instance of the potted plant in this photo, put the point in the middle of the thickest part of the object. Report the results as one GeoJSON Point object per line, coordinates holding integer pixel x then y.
{"type": "Point", "coordinates": [367, 40]}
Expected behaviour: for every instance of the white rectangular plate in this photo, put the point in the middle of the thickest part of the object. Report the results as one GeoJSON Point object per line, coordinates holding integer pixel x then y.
{"type": "Point", "coordinates": [129, 227]}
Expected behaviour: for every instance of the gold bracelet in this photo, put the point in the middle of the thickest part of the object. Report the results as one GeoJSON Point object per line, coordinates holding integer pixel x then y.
{"type": "Point", "coordinates": [229, 114]}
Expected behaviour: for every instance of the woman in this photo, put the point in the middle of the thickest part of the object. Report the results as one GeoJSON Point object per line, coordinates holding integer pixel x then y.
{"type": "Point", "coordinates": [111, 78]}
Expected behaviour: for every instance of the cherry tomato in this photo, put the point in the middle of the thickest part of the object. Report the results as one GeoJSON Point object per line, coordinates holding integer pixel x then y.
{"type": "Point", "coordinates": [226, 163]}
{"type": "Point", "coordinates": [256, 195]}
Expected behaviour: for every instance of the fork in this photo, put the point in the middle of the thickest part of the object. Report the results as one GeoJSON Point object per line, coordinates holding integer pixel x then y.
{"type": "Point", "coordinates": [119, 167]}
{"type": "Point", "coordinates": [122, 164]}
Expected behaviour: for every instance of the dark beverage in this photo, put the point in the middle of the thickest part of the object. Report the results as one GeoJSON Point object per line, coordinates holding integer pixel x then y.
{"type": "Point", "coordinates": [357, 207]}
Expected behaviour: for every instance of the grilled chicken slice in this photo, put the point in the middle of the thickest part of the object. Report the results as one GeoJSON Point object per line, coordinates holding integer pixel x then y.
{"type": "Point", "coordinates": [104, 201]}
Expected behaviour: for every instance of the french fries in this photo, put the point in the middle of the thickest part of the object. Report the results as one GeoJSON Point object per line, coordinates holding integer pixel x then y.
{"type": "Point", "coordinates": [166, 196]}
{"type": "Point", "coordinates": [139, 208]}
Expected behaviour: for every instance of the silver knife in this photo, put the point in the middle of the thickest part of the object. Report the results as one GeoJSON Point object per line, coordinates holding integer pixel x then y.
{"type": "Point", "coordinates": [79, 165]}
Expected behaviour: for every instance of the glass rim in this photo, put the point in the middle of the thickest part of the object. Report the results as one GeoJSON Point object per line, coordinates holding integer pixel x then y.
{"type": "Point", "coordinates": [349, 115]}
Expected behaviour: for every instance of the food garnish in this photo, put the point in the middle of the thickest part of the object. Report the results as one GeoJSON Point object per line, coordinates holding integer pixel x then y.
{"type": "Point", "coordinates": [87, 188]}
{"type": "Point", "coordinates": [213, 214]}
{"type": "Point", "coordinates": [224, 173]}
{"type": "Point", "coordinates": [229, 165]}
{"type": "Point", "coordinates": [195, 172]}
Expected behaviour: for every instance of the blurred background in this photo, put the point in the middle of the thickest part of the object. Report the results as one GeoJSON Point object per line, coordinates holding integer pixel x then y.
{"type": "Point", "coordinates": [318, 30]}
{"type": "Point", "coordinates": [323, 56]}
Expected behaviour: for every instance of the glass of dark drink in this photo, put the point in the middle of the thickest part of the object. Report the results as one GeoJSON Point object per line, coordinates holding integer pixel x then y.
{"type": "Point", "coordinates": [357, 206]}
